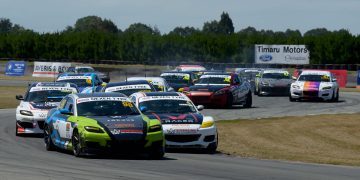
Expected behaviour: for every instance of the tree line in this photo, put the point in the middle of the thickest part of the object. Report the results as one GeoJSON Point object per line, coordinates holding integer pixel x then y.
{"type": "Point", "coordinates": [94, 38]}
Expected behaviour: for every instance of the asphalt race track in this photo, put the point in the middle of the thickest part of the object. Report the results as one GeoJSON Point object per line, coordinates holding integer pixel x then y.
{"type": "Point", "coordinates": [26, 157]}
{"type": "Point", "coordinates": [277, 106]}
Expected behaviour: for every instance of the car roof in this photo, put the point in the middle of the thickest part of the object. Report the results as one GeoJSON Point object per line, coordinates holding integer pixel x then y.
{"type": "Point", "coordinates": [127, 83]}
{"type": "Point", "coordinates": [100, 94]}
{"type": "Point", "coordinates": [182, 72]}
{"type": "Point", "coordinates": [76, 74]}
{"type": "Point", "coordinates": [146, 78]}
{"type": "Point", "coordinates": [274, 71]}
{"type": "Point", "coordinates": [161, 94]}
{"type": "Point", "coordinates": [217, 73]}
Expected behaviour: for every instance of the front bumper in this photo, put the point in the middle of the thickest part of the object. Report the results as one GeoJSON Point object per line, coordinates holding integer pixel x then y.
{"type": "Point", "coordinates": [30, 124]}
{"type": "Point", "coordinates": [208, 98]}
{"type": "Point", "coordinates": [202, 139]}
{"type": "Point", "coordinates": [97, 143]}
{"type": "Point", "coordinates": [274, 90]}
{"type": "Point", "coordinates": [322, 94]}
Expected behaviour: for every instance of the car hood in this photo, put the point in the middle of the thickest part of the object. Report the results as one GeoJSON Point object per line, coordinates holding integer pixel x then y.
{"type": "Point", "coordinates": [44, 105]}
{"type": "Point", "coordinates": [177, 86]}
{"type": "Point", "coordinates": [277, 82]}
{"type": "Point", "coordinates": [207, 88]}
{"type": "Point", "coordinates": [123, 128]}
{"type": "Point", "coordinates": [177, 118]}
{"type": "Point", "coordinates": [312, 86]}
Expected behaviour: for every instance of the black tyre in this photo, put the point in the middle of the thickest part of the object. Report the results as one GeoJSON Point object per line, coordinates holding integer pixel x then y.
{"type": "Point", "coordinates": [49, 145]}
{"type": "Point", "coordinates": [229, 101]}
{"type": "Point", "coordinates": [157, 152]}
{"type": "Point", "coordinates": [291, 99]}
{"type": "Point", "coordinates": [211, 149]}
{"type": "Point", "coordinates": [248, 102]}
{"type": "Point", "coordinates": [76, 143]}
{"type": "Point", "coordinates": [336, 99]}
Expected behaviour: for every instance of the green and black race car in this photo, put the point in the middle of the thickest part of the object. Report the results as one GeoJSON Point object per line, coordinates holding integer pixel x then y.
{"type": "Point", "coordinates": [102, 122]}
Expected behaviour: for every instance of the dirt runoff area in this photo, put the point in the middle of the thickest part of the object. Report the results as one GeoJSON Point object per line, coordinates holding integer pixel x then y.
{"type": "Point", "coordinates": [328, 139]}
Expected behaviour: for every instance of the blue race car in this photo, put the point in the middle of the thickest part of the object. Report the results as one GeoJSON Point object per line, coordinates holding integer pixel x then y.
{"type": "Point", "coordinates": [86, 82]}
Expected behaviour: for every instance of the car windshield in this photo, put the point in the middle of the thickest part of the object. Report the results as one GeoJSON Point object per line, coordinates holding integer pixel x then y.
{"type": "Point", "coordinates": [276, 75]}
{"type": "Point", "coordinates": [249, 74]}
{"type": "Point", "coordinates": [214, 80]}
{"type": "Point", "coordinates": [85, 70]}
{"type": "Point", "coordinates": [167, 106]}
{"type": "Point", "coordinates": [106, 108]}
{"type": "Point", "coordinates": [177, 79]}
{"type": "Point", "coordinates": [159, 88]}
{"type": "Point", "coordinates": [314, 78]}
{"type": "Point", "coordinates": [46, 96]}
{"type": "Point", "coordinates": [78, 82]}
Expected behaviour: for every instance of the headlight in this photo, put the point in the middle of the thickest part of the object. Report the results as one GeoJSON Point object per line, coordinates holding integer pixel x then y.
{"type": "Point", "coordinates": [93, 129]}
{"type": "Point", "coordinates": [327, 87]}
{"type": "Point", "coordinates": [206, 124]}
{"type": "Point", "coordinates": [220, 92]}
{"type": "Point", "coordinates": [155, 128]}
{"type": "Point", "coordinates": [295, 86]}
{"type": "Point", "coordinates": [26, 113]}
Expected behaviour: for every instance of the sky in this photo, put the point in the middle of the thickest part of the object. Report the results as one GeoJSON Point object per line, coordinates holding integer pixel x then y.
{"type": "Point", "coordinates": [276, 15]}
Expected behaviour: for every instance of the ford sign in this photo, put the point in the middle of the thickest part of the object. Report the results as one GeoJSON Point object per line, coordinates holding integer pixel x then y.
{"type": "Point", "coordinates": [265, 57]}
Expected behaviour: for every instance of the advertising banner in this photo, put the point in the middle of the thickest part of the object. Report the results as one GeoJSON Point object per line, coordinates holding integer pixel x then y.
{"type": "Point", "coordinates": [341, 75]}
{"type": "Point", "coordinates": [15, 68]}
{"type": "Point", "coordinates": [281, 54]}
{"type": "Point", "coordinates": [49, 69]}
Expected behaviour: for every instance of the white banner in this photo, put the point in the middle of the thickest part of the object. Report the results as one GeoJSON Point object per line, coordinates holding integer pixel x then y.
{"type": "Point", "coordinates": [49, 69]}
{"type": "Point", "coordinates": [281, 54]}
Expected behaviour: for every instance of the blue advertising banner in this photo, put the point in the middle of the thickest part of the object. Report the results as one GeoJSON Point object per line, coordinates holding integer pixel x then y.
{"type": "Point", "coordinates": [15, 68]}
{"type": "Point", "coordinates": [358, 79]}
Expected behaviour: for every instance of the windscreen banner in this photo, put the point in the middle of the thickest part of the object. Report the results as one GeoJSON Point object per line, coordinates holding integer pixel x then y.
{"type": "Point", "coordinates": [49, 69]}
{"type": "Point", "coordinates": [281, 54]}
{"type": "Point", "coordinates": [15, 68]}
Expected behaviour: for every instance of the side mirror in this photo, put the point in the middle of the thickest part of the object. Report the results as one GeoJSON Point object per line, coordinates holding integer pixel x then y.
{"type": "Point", "coordinates": [170, 89]}
{"type": "Point", "coordinates": [258, 75]}
{"type": "Point", "coordinates": [293, 78]}
{"type": "Point", "coordinates": [181, 90]}
{"type": "Point", "coordinates": [65, 111]}
{"type": "Point", "coordinates": [19, 97]}
{"type": "Point", "coordinates": [334, 80]}
{"type": "Point", "coordinates": [200, 107]}
{"type": "Point", "coordinates": [195, 81]}
{"type": "Point", "coordinates": [143, 109]}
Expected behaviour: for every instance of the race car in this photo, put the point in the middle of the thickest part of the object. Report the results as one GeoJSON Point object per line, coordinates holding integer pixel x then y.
{"type": "Point", "coordinates": [105, 77]}
{"type": "Point", "coordinates": [184, 126]}
{"type": "Point", "coordinates": [312, 84]}
{"type": "Point", "coordinates": [39, 99]}
{"type": "Point", "coordinates": [159, 83]}
{"type": "Point", "coordinates": [248, 74]}
{"type": "Point", "coordinates": [179, 80]}
{"type": "Point", "coordinates": [129, 87]}
{"type": "Point", "coordinates": [98, 123]}
{"type": "Point", "coordinates": [86, 82]}
{"type": "Point", "coordinates": [221, 90]}
{"type": "Point", "coordinates": [273, 82]}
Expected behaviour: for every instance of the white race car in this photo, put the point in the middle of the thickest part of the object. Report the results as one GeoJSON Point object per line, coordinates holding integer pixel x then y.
{"type": "Point", "coordinates": [39, 99]}
{"type": "Point", "coordinates": [184, 126]}
{"type": "Point", "coordinates": [312, 84]}
{"type": "Point", "coordinates": [159, 83]}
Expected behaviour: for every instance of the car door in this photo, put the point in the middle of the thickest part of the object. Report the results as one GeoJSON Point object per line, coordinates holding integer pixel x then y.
{"type": "Point", "coordinates": [234, 88]}
{"type": "Point", "coordinates": [61, 124]}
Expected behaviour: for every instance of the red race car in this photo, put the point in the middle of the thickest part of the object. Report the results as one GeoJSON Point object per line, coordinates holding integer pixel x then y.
{"type": "Point", "coordinates": [220, 90]}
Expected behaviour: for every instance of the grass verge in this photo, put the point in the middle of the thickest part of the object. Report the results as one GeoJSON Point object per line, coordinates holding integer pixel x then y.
{"type": "Point", "coordinates": [7, 96]}
{"type": "Point", "coordinates": [328, 139]}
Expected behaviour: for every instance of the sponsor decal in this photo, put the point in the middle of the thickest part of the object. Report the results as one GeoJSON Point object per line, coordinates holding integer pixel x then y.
{"type": "Point", "coordinates": [182, 131]}
{"type": "Point", "coordinates": [185, 76]}
{"type": "Point", "coordinates": [63, 89]}
{"type": "Point", "coordinates": [73, 77]}
{"type": "Point", "coordinates": [150, 98]}
{"type": "Point", "coordinates": [266, 57]}
{"type": "Point", "coordinates": [82, 100]}
{"type": "Point", "coordinates": [125, 87]}
{"type": "Point", "coordinates": [126, 131]}
{"type": "Point", "coordinates": [214, 76]}
{"type": "Point", "coordinates": [311, 86]}
{"type": "Point", "coordinates": [49, 69]}
{"type": "Point", "coordinates": [15, 68]}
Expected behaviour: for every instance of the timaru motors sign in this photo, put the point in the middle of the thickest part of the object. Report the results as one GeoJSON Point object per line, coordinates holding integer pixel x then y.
{"type": "Point", "coordinates": [49, 69]}
{"type": "Point", "coordinates": [281, 54]}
